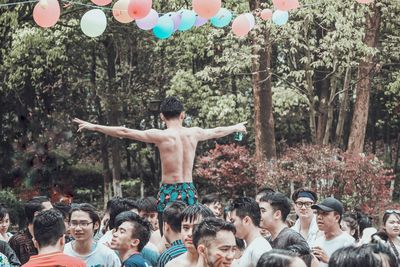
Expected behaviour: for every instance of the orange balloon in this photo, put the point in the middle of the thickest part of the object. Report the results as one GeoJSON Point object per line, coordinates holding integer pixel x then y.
{"type": "Point", "coordinates": [206, 8]}
{"type": "Point", "coordinates": [266, 14]}
{"type": "Point", "coordinates": [139, 9]}
{"type": "Point", "coordinates": [46, 14]}
{"type": "Point", "coordinates": [241, 26]}
{"type": "Point", "coordinates": [286, 5]}
{"type": "Point", "coordinates": [101, 2]}
{"type": "Point", "coordinates": [120, 11]}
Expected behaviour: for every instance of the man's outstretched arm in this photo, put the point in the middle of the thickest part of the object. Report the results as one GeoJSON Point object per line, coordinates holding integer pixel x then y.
{"type": "Point", "coordinates": [206, 134]}
{"type": "Point", "coordinates": [148, 136]}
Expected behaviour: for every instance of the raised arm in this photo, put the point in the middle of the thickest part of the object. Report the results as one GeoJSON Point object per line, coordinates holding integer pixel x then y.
{"type": "Point", "coordinates": [148, 136]}
{"type": "Point", "coordinates": [206, 134]}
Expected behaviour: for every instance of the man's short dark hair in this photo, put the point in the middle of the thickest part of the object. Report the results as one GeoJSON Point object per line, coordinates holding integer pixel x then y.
{"type": "Point", "coordinates": [63, 208]}
{"type": "Point", "coordinates": [192, 213]}
{"type": "Point", "coordinates": [118, 205]}
{"type": "Point", "coordinates": [171, 107]}
{"type": "Point", "coordinates": [34, 205]}
{"type": "Point", "coordinates": [246, 206]}
{"type": "Point", "coordinates": [172, 215]}
{"type": "Point", "coordinates": [278, 201]}
{"type": "Point", "coordinates": [211, 199]}
{"type": "Point", "coordinates": [141, 227]}
{"type": "Point", "coordinates": [207, 230]}
{"type": "Point", "coordinates": [48, 227]}
{"type": "Point", "coordinates": [265, 191]}
{"type": "Point", "coordinates": [147, 204]}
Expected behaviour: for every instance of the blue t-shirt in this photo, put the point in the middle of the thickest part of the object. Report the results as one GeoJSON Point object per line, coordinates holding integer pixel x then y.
{"type": "Point", "coordinates": [136, 260]}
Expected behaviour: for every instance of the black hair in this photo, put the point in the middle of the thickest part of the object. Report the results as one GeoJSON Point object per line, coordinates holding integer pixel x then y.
{"type": "Point", "coordinates": [246, 206]}
{"type": "Point", "coordinates": [3, 212]}
{"type": "Point", "coordinates": [302, 251]}
{"type": "Point", "coordinates": [363, 221]}
{"type": "Point", "coordinates": [171, 107]}
{"type": "Point", "coordinates": [353, 225]}
{"type": "Point", "coordinates": [118, 205]}
{"type": "Point", "coordinates": [63, 208]}
{"type": "Point", "coordinates": [209, 228]}
{"type": "Point", "coordinates": [34, 205]}
{"type": "Point", "coordinates": [141, 227]}
{"type": "Point", "coordinates": [276, 258]}
{"type": "Point", "coordinates": [240, 244]}
{"type": "Point", "coordinates": [211, 199]}
{"type": "Point", "coordinates": [147, 204]}
{"type": "Point", "coordinates": [295, 194]}
{"type": "Point", "coordinates": [172, 215]}
{"type": "Point", "coordinates": [89, 209]}
{"type": "Point", "coordinates": [278, 201]}
{"type": "Point", "coordinates": [367, 255]}
{"type": "Point", "coordinates": [192, 213]}
{"type": "Point", "coordinates": [48, 227]}
{"type": "Point", "coordinates": [265, 191]}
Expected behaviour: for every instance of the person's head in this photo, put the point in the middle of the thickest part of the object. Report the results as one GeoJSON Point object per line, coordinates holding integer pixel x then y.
{"type": "Point", "coordinates": [213, 201]}
{"type": "Point", "coordinates": [190, 217]}
{"type": "Point", "coordinates": [148, 210]}
{"type": "Point", "coordinates": [132, 232]}
{"type": "Point", "coordinates": [64, 209]}
{"type": "Point", "coordinates": [263, 192]}
{"type": "Point", "coordinates": [49, 229]}
{"type": "Point", "coordinates": [84, 222]}
{"type": "Point", "coordinates": [367, 255]}
{"type": "Point", "coordinates": [391, 223]}
{"type": "Point", "coordinates": [245, 216]}
{"type": "Point", "coordinates": [329, 214]}
{"type": "Point", "coordinates": [171, 108]}
{"type": "Point", "coordinates": [303, 200]}
{"type": "Point", "coordinates": [215, 241]}
{"type": "Point", "coordinates": [118, 205]}
{"type": "Point", "coordinates": [303, 252]}
{"type": "Point", "coordinates": [280, 258]}
{"type": "Point", "coordinates": [364, 222]}
{"type": "Point", "coordinates": [4, 219]}
{"type": "Point", "coordinates": [35, 205]}
{"type": "Point", "coordinates": [350, 226]}
{"type": "Point", "coordinates": [274, 209]}
{"type": "Point", "coordinates": [172, 220]}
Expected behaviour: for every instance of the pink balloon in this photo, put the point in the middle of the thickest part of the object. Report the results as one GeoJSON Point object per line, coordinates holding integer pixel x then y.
{"type": "Point", "coordinates": [286, 5]}
{"type": "Point", "coordinates": [241, 26]}
{"type": "Point", "coordinates": [101, 2]}
{"type": "Point", "coordinates": [139, 9]}
{"type": "Point", "coordinates": [200, 21]}
{"type": "Point", "coordinates": [148, 22]}
{"type": "Point", "coordinates": [365, 1]}
{"type": "Point", "coordinates": [206, 8]}
{"type": "Point", "coordinates": [120, 11]}
{"type": "Point", "coordinates": [266, 14]}
{"type": "Point", "coordinates": [46, 14]}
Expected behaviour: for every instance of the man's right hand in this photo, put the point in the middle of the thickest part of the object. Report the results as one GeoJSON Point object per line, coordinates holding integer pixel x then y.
{"type": "Point", "coordinates": [241, 127]}
{"type": "Point", "coordinates": [84, 125]}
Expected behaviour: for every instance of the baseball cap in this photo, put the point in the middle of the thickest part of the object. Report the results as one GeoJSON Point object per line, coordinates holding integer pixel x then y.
{"type": "Point", "coordinates": [329, 204]}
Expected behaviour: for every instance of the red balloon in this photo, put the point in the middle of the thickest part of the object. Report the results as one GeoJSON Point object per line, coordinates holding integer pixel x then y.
{"type": "Point", "coordinates": [46, 13]}
{"type": "Point", "coordinates": [101, 2]}
{"type": "Point", "coordinates": [206, 8]}
{"type": "Point", "coordinates": [286, 5]}
{"type": "Point", "coordinates": [241, 26]}
{"type": "Point", "coordinates": [365, 1]}
{"type": "Point", "coordinates": [266, 14]}
{"type": "Point", "coordinates": [139, 9]}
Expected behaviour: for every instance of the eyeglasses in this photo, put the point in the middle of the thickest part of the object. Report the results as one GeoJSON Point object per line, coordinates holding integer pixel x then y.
{"type": "Point", "coordinates": [81, 224]}
{"type": "Point", "coordinates": [307, 205]}
{"type": "Point", "coordinates": [392, 211]}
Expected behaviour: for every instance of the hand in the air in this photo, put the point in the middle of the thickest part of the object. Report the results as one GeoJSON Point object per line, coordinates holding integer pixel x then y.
{"type": "Point", "coordinates": [241, 127]}
{"type": "Point", "coordinates": [84, 125]}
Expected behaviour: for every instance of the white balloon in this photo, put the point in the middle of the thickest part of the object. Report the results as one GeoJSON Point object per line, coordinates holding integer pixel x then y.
{"type": "Point", "coordinates": [94, 22]}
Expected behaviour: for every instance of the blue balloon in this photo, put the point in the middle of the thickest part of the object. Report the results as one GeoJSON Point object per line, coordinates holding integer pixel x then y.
{"type": "Point", "coordinates": [188, 20]}
{"type": "Point", "coordinates": [280, 17]}
{"type": "Point", "coordinates": [164, 27]}
{"type": "Point", "coordinates": [222, 19]}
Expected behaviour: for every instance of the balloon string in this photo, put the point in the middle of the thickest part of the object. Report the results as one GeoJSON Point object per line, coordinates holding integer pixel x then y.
{"type": "Point", "coordinates": [18, 3]}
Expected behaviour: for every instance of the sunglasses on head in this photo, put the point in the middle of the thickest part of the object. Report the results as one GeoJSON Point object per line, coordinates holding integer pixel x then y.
{"type": "Point", "coordinates": [392, 211]}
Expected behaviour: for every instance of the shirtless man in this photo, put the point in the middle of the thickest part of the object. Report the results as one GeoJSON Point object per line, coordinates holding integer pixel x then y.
{"type": "Point", "coordinates": [177, 146]}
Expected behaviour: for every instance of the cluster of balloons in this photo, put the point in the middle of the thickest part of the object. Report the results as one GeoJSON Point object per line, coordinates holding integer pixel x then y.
{"type": "Point", "coordinates": [94, 22]}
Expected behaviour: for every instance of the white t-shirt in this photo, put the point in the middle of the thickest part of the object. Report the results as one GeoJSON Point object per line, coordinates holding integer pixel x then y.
{"type": "Point", "coordinates": [330, 246]}
{"type": "Point", "coordinates": [100, 256]}
{"type": "Point", "coordinates": [253, 252]}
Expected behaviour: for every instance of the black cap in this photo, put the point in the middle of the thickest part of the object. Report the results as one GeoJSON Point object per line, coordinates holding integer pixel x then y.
{"type": "Point", "coordinates": [329, 204]}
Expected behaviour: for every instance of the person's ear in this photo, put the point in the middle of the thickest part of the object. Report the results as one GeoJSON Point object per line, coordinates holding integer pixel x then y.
{"type": "Point", "coordinates": [162, 117]}
{"type": "Point", "coordinates": [135, 243]}
{"type": "Point", "coordinates": [96, 226]}
{"type": "Point", "coordinates": [62, 241]}
{"type": "Point", "coordinates": [246, 220]}
{"type": "Point", "coordinates": [35, 243]}
{"type": "Point", "coordinates": [201, 249]}
{"type": "Point", "coordinates": [277, 215]}
{"type": "Point", "coordinates": [182, 116]}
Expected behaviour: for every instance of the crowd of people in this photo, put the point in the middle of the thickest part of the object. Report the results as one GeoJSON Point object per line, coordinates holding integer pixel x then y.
{"type": "Point", "coordinates": [267, 230]}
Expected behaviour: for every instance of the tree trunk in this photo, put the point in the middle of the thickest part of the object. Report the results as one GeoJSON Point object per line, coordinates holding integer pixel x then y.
{"type": "Point", "coordinates": [323, 88]}
{"type": "Point", "coordinates": [330, 106]}
{"type": "Point", "coordinates": [344, 106]}
{"type": "Point", "coordinates": [365, 71]}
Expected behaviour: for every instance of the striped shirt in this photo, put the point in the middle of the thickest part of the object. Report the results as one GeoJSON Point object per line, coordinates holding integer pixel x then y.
{"type": "Point", "coordinates": [177, 248]}
{"type": "Point", "coordinates": [23, 246]}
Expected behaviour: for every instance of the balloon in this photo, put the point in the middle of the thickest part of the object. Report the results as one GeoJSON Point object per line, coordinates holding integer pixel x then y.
{"type": "Point", "coordinates": [188, 18]}
{"type": "Point", "coordinates": [139, 9]}
{"type": "Point", "coordinates": [200, 21]}
{"type": "Point", "coordinates": [251, 19]}
{"type": "Point", "coordinates": [101, 2]}
{"type": "Point", "coordinates": [206, 8]}
{"type": "Point", "coordinates": [222, 19]}
{"type": "Point", "coordinates": [286, 5]}
{"type": "Point", "coordinates": [176, 18]}
{"type": "Point", "coordinates": [120, 11]}
{"type": "Point", "coordinates": [46, 13]}
{"type": "Point", "coordinates": [241, 26]}
{"type": "Point", "coordinates": [280, 17]}
{"type": "Point", "coordinates": [365, 1]}
{"type": "Point", "coordinates": [148, 22]}
{"type": "Point", "coordinates": [93, 22]}
{"type": "Point", "coordinates": [266, 14]}
{"type": "Point", "coordinates": [164, 27]}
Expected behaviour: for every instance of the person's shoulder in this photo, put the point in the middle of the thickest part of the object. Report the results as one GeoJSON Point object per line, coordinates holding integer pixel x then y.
{"type": "Point", "coordinates": [347, 238]}
{"type": "Point", "coordinates": [135, 260]}
{"type": "Point", "coordinates": [71, 260]}
{"type": "Point", "coordinates": [178, 261]}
